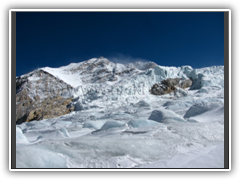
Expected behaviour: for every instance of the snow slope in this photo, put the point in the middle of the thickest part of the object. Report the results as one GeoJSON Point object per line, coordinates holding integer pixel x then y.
{"type": "Point", "coordinates": [119, 124]}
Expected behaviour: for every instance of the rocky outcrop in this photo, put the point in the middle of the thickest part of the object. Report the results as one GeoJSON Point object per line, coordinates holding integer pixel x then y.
{"type": "Point", "coordinates": [170, 85]}
{"type": "Point", "coordinates": [51, 108]}
{"type": "Point", "coordinates": [48, 108]}
{"type": "Point", "coordinates": [39, 95]}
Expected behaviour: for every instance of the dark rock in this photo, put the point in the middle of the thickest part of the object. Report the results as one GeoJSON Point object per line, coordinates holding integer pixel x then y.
{"type": "Point", "coordinates": [169, 85]}
{"type": "Point", "coordinates": [49, 108]}
{"type": "Point", "coordinates": [141, 104]}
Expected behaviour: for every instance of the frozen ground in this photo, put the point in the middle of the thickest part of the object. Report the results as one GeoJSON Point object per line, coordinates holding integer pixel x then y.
{"type": "Point", "coordinates": [133, 131]}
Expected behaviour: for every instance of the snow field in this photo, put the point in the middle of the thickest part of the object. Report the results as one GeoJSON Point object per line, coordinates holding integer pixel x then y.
{"type": "Point", "coordinates": [125, 137]}
{"type": "Point", "coordinates": [133, 147]}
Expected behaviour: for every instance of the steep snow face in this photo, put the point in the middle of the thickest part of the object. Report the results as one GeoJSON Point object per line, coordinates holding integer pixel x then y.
{"type": "Point", "coordinates": [117, 123]}
{"type": "Point", "coordinates": [71, 78]}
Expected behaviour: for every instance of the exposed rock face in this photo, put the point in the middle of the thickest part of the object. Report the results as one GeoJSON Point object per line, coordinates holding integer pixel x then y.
{"type": "Point", "coordinates": [170, 85]}
{"type": "Point", "coordinates": [51, 108]}
{"type": "Point", "coordinates": [48, 108]}
{"type": "Point", "coordinates": [41, 96]}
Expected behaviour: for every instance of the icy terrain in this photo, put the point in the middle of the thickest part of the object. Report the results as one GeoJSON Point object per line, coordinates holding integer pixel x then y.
{"type": "Point", "coordinates": [117, 123]}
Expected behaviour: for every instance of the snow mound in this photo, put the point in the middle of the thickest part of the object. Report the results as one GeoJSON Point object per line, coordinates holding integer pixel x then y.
{"type": "Point", "coordinates": [141, 104]}
{"type": "Point", "coordinates": [94, 124]}
{"type": "Point", "coordinates": [206, 112]}
{"type": "Point", "coordinates": [201, 108]}
{"type": "Point", "coordinates": [61, 133]}
{"type": "Point", "coordinates": [51, 132]}
{"type": "Point", "coordinates": [142, 123]}
{"type": "Point", "coordinates": [112, 124]}
{"type": "Point", "coordinates": [64, 132]}
{"type": "Point", "coordinates": [165, 116]}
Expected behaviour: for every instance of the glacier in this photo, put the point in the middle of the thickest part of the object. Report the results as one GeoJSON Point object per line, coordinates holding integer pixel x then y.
{"type": "Point", "coordinates": [117, 123]}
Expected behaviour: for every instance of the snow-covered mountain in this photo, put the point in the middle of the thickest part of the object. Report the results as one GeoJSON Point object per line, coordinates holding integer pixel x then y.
{"type": "Point", "coordinates": [100, 114]}
{"type": "Point", "coordinates": [102, 72]}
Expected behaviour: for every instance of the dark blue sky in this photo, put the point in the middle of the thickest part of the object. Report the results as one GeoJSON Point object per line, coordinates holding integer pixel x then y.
{"type": "Point", "coordinates": [56, 39]}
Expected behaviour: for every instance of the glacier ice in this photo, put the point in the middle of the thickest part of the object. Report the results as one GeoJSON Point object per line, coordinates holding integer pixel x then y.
{"type": "Point", "coordinates": [165, 116]}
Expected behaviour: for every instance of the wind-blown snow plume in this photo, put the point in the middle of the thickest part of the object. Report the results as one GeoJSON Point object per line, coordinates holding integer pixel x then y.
{"type": "Point", "coordinates": [125, 59]}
